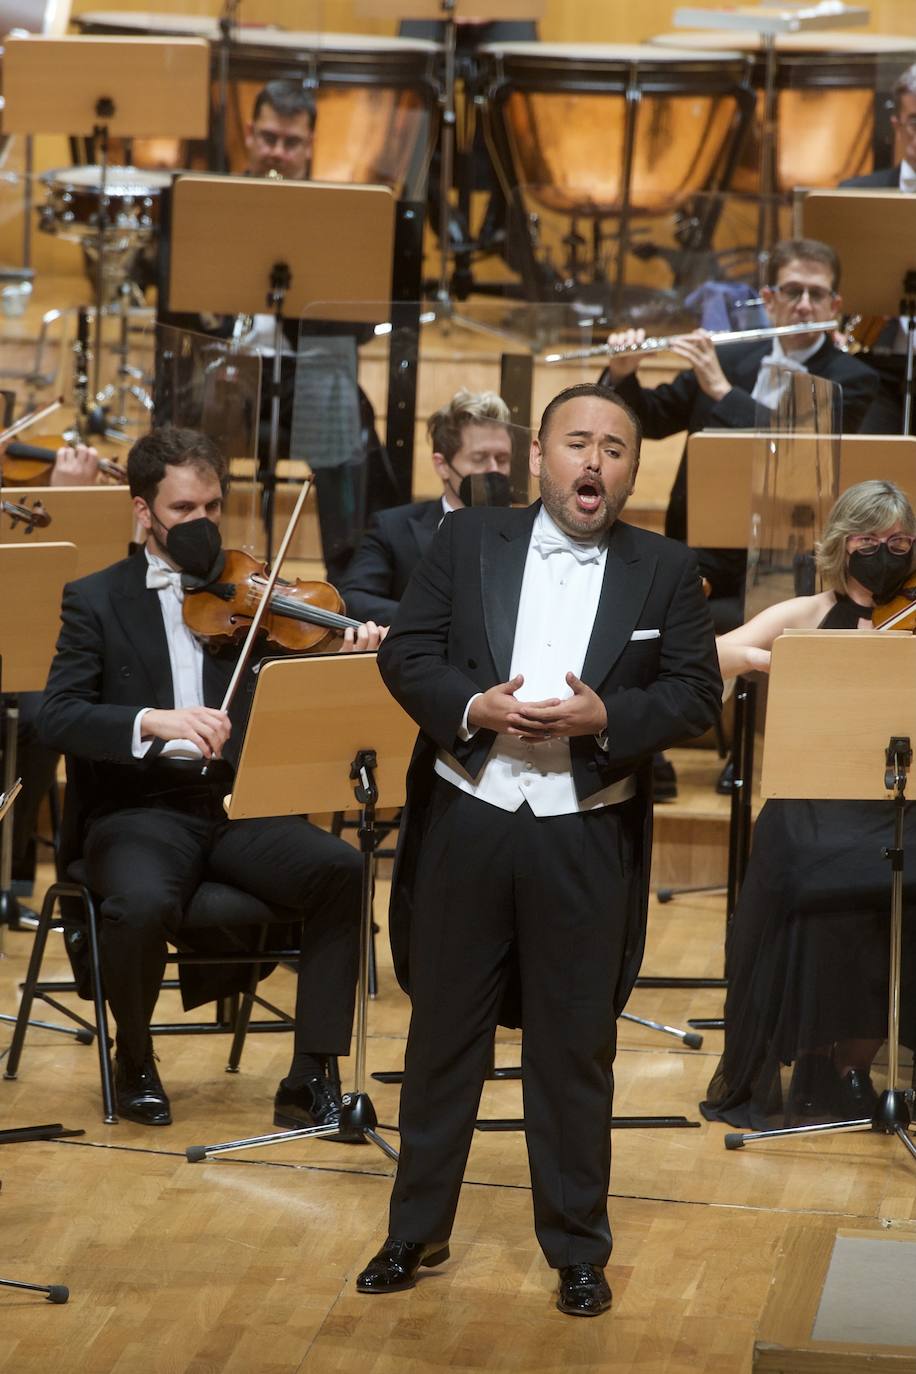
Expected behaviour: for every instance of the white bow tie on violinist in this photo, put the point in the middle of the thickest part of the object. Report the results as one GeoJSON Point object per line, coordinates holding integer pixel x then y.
{"type": "Point", "coordinates": [158, 576]}
{"type": "Point", "coordinates": [549, 540]}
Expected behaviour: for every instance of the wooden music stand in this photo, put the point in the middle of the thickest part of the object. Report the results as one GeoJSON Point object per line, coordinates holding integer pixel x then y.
{"type": "Point", "coordinates": [98, 520]}
{"type": "Point", "coordinates": [282, 246]}
{"type": "Point", "coordinates": [129, 87]}
{"type": "Point", "coordinates": [874, 236]}
{"type": "Point", "coordinates": [814, 702]}
{"type": "Point", "coordinates": [719, 476]}
{"type": "Point", "coordinates": [29, 624]}
{"type": "Point", "coordinates": [319, 728]}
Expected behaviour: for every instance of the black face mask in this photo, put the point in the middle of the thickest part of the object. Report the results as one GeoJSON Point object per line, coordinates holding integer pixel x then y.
{"type": "Point", "coordinates": [195, 547]}
{"type": "Point", "coordinates": [882, 574]}
{"type": "Point", "coordinates": [485, 489]}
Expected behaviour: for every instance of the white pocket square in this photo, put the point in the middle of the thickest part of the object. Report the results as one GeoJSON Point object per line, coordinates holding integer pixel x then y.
{"type": "Point", "coordinates": [646, 634]}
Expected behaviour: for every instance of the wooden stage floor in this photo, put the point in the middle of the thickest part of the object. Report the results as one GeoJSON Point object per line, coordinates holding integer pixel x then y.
{"type": "Point", "coordinates": [246, 1265]}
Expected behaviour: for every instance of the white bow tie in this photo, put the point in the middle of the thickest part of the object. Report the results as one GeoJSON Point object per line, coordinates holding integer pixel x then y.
{"type": "Point", "coordinates": [548, 541]}
{"type": "Point", "coordinates": [159, 576]}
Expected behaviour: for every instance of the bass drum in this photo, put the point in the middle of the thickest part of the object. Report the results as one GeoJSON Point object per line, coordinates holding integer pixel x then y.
{"type": "Point", "coordinates": [831, 89]}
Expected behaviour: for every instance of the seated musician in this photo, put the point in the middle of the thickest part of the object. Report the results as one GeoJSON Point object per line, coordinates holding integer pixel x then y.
{"type": "Point", "coordinates": [133, 700]}
{"type": "Point", "coordinates": [469, 435]}
{"type": "Point", "coordinates": [730, 386]}
{"type": "Point", "coordinates": [887, 353]}
{"type": "Point", "coordinates": [74, 466]}
{"type": "Point", "coordinates": [807, 953]}
{"type": "Point", "coordinates": [278, 140]}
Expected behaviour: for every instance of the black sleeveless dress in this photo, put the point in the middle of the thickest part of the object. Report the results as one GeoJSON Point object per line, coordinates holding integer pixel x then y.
{"type": "Point", "coordinates": [807, 955]}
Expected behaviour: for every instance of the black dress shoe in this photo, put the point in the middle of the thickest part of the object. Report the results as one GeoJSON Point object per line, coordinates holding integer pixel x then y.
{"type": "Point", "coordinates": [725, 782]}
{"type": "Point", "coordinates": [395, 1266]}
{"type": "Point", "coordinates": [139, 1093]}
{"type": "Point", "coordinates": [314, 1103]}
{"type": "Point", "coordinates": [857, 1095]}
{"type": "Point", "coordinates": [583, 1291]}
{"type": "Point", "coordinates": [664, 779]}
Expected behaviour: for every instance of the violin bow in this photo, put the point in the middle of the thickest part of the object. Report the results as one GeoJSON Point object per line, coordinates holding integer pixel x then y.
{"type": "Point", "coordinates": [31, 419]}
{"type": "Point", "coordinates": [264, 604]}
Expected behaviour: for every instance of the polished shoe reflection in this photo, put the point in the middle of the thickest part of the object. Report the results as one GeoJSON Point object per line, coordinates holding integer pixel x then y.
{"type": "Point", "coordinates": [139, 1092]}
{"type": "Point", "coordinates": [315, 1102]}
{"type": "Point", "coordinates": [583, 1291]}
{"type": "Point", "coordinates": [395, 1266]}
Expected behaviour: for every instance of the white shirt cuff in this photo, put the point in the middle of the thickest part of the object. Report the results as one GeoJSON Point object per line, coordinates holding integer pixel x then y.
{"type": "Point", "coordinates": [463, 732]}
{"type": "Point", "coordinates": [601, 740]}
{"type": "Point", "coordinates": [140, 748]}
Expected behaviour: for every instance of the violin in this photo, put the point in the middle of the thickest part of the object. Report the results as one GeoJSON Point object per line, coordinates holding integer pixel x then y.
{"type": "Point", "coordinates": [34, 517]}
{"type": "Point", "coordinates": [31, 465]}
{"type": "Point", "coordinates": [302, 616]}
{"type": "Point", "coordinates": [900, 613]}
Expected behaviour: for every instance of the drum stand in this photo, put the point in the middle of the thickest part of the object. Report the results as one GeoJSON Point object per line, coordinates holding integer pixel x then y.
{"type": "Point", "coordinates": [358, 1114]}
{"type": "Point", "coordinates": [891, 1115]}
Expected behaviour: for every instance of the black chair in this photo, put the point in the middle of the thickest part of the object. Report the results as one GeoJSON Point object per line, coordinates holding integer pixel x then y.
{"type": "Point", "coordinates": [212, 905]}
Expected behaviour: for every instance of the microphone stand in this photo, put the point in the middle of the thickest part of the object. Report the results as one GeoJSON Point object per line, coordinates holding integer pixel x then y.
{"type": "Point", "coordinates": [280, 279]}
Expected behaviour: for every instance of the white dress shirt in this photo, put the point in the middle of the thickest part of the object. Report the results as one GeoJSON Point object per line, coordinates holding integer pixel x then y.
{"type": "Point", "coordinates": [559, 599]}
{"type": "Point", "coordinates": [771, 378]}
{"type": "Point", "coordinates": [186, 657]}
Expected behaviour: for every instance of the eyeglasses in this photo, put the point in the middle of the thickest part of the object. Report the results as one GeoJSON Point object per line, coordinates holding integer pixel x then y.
{"type": "Point", "coordinates": [792, 291]}
{"type": "Point", "coordinates": [290, 143]}
{"type": "Point", "coordinates": [867, 544]}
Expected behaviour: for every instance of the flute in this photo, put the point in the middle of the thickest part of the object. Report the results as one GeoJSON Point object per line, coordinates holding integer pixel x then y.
{"type": "Point", "coordinates": [659, 345]}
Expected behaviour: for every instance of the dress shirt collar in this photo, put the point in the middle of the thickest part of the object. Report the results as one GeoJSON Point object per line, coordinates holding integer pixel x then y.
{"type": "Point", "coordinates": [159, 575]}
{"type": "Point", "coordinates": [548, 538]}
{"type": "Point", "coordinates": [779, 357]}
{"type": "Point", "coordinates": [907, 177]}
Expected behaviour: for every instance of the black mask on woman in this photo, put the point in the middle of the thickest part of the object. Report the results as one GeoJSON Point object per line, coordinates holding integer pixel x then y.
{"type": "Point", "coordinates": [882, 573]}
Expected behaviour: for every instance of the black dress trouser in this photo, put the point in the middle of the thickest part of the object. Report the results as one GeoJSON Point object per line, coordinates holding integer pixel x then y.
{"type": "Point", "coordinates": [553, 893]}
{"type": "Point", "coordinates": [146, 862]}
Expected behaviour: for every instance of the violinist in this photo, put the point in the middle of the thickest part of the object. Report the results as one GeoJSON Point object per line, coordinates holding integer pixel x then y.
{"type": "Point", "coordinates": [74, 466]}
{"type": "Point", "coordinates": [806, 1007]}
{"type": "Point", "coordinates": [133, 700]}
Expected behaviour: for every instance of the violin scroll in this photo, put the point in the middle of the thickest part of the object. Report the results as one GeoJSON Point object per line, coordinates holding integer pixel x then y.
{"type": "Point", "coordinates": [33, 517]}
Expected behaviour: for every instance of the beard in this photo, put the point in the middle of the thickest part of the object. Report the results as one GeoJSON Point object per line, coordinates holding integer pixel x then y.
{"type": "Point", "coordinates": [562, 506]}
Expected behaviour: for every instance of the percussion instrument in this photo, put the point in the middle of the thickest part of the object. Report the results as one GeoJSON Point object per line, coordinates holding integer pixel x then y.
{"type": "Point", "coordinates": [830, 101]}
{"type": "Point", "coordinates": [593, 130]}
{"type": "Point", "coordinates": [377, 98]}
{"type": "Point", "coordinates": [71, 209]}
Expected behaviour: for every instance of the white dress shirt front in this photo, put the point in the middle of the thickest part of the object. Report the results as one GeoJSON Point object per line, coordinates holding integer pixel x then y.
{"type": "Point", "coordinates": [561, 588]}
{"type": "Point", "coordinates": [771, 378]}
{"type": "Point", "coordinates": [186, 657]}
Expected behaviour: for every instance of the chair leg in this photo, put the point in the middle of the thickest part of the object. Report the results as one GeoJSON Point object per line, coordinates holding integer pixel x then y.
{"type": "Point", "coordinates": [101, 1014]}
{"type": "Point", "coordinates": [244, 1010]}
{"type": "Point", "coordinates": [28, 988]}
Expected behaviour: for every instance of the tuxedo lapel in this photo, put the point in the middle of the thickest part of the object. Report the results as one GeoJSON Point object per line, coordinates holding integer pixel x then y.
{"type": "Point", "coordinates": [503, 551]}
{"type": "Point", "coordinates": [627, 579]}
{"type": "Point", "coordinates": [137, 610]}
{"type": "Point", "coordinates": [423, 527]}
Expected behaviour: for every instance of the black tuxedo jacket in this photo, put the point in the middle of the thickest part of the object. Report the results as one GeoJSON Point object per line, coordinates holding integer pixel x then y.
{"type": "Point", "coordinates": [391, 548]}
{"type": "Point", "coordinates": [453, 637]}
{"type": "Point", "coordinates": [112, 659]}
{"type": "Point", "coordinates": [682, 404]}
{"type": "Point", "coordinates": [887, 179]}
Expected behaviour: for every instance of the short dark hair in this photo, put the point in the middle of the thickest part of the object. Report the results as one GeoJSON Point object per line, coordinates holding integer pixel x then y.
{"type": "Point", "coordinates": [171, 447]}
{"type": "Point", "coordinates": [604, 393]}
{"type": "Point", "coordinates": [812, 250]}
{"type": "Point", "coordinates": [287, 99]}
